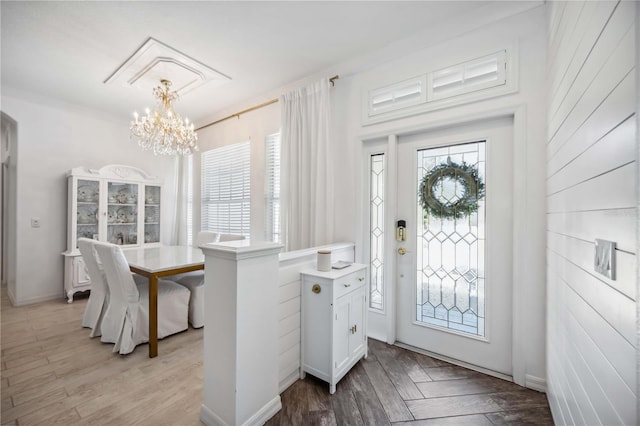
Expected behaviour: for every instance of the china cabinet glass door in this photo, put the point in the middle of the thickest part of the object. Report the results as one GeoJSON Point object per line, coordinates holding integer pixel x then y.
{"type": "Point", "coordinates": [122, 213]}
{"type": "Point", "coordinates": [151, 214]}
{"type": "Point", "coordinates": [87, 209]}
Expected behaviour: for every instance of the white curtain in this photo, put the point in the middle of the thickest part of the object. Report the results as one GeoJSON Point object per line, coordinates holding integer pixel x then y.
{"type": "Point", "coordinates": [179, 226]}
{"type": "Point", "coordinates": [306, 178]}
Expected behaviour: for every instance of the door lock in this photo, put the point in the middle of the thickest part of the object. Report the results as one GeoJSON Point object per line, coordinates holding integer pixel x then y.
{"type": "Point", "coordinates": [402, 251]}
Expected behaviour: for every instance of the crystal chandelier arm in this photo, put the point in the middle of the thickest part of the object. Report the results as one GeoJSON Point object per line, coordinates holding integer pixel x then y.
{"type": "Point", "coordinates": [162, 130]}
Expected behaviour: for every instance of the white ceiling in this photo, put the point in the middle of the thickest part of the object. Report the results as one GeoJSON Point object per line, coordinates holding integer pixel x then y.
{"type": "Point", "coordinates": [66, 50]}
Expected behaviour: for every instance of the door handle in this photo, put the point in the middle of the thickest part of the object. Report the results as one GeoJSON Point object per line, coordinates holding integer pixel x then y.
{"type": "Point", "coordinates": [402, 251]}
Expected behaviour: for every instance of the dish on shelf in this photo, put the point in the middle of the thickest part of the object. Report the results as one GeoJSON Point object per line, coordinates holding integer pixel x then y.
{"type": "Point", "coordinates": [87, 215]}
{"type": "Point", "coordinates": [151, 236]}
{"type": "Point", "coordinates": [87, 193]}
{"type": "Point", "coordinates": [123, 196]}
{"type": "Point", "coordinates": [88, 234]}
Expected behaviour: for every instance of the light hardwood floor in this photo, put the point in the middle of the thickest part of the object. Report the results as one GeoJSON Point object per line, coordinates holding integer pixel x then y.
{"type": "Point", "coordinates": [53, 373]}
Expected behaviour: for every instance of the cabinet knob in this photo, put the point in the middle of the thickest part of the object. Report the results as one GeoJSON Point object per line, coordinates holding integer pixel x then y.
{"type": "Point", "coordinates": [354, 329]}
{"type": "Point", "coordinates": [316, 288]}
{"type": "Point", "coordinates": [347, 285]}
{"type": "Point", "coordinates": [361, 279]}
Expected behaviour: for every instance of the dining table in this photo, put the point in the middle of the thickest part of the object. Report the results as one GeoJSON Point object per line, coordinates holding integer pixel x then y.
{"type": "Point", "coordinates": [158, 262]}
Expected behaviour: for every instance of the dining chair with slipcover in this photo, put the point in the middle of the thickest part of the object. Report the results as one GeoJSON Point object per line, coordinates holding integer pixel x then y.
{"type": "Point", "coordinates": [128, 312]}
{"type": "Point", "coordinates": [99, 296]}
{"type": "Point", "coordinates": [194, 281]}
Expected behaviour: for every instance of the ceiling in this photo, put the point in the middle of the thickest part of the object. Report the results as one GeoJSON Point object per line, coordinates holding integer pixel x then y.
{"type": "Point", "coordinates": [66, 50]}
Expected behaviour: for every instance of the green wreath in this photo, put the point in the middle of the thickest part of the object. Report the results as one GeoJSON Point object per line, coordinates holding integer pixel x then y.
{"type": "Point", "coordinates": [465, 175]}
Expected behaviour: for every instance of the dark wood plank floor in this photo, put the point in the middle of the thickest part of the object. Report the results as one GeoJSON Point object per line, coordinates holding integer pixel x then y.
{"type": "Point", "coordinates": [400, 387]}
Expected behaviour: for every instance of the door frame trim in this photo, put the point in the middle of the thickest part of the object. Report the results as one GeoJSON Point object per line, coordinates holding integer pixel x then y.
{"type": "Point", "coordinates": [520, 250]}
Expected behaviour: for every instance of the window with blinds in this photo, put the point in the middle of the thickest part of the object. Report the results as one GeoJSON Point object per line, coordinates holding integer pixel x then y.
{"type": "Point", "coordinates": [226, 195]}
{"type": "Point", "coordinates": [272, 188]}
{"type": "Point", "coordinates": [401, 95]}
{"type": "Point", "coordinates": [481, 73]}
{"type": "Point", "coordinates": [456, 84]}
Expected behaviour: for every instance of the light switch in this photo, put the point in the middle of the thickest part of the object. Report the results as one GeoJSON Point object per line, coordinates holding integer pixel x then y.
{"type": "Point", "coordinates": [605, 258]}
{"type": "Point", "coordinates": [35, 222]}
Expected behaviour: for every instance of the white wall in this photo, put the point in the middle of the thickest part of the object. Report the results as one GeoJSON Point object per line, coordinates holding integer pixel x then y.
{"type": "Point", "coordinates": [591, 193]}
{"type": "Point", "coordinates": [254, 126]}
{"type": "Point", "coordinates": [52, 139]}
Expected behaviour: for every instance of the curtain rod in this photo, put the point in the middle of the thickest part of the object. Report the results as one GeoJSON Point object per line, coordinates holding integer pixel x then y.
{"type": "Point", "coordinates": [264, 104]}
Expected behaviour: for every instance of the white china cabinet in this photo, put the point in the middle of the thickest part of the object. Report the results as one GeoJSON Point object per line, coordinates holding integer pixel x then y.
{"type": "Point", "coordinates": [117, 204]}
{"type": "Point", "coordinates": [334, 321]}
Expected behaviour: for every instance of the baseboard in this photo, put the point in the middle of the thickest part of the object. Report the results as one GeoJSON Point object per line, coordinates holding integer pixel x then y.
{"type": "Point", "coordinates": [32, 300]}
{"type": "Point", "coordinates": [289, 380]}
{"type": "Point", "coordinates": [210, 418]}
{"type": "Point", "coordinates": [265, 413]}
{"type": "Point", "coordinates": [535, 383]}
{"type": "Point", "coordinates": [376, 336]}
{"type": "Point", "coordinates": [12, 297]}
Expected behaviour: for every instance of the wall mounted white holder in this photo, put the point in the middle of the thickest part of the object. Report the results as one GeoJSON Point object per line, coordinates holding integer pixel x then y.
{"type": "Point", "coordinates": [605, 258]}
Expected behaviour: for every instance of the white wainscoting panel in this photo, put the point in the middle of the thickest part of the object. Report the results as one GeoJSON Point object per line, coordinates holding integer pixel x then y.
{"type": "Point", "coordinates": [591, 194]}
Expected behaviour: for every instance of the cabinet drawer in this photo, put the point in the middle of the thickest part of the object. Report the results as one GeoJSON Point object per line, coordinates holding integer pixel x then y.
{"type": "Point", "coordinates": [350, 282]}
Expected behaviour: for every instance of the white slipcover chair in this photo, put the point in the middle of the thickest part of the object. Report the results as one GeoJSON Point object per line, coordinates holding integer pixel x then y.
{"type": "Point", "coordinates": [128, 310]}
{"type": "Point", "coordinates": [99, 296]}
{"type": "Point", "coordinates": [194, 281]}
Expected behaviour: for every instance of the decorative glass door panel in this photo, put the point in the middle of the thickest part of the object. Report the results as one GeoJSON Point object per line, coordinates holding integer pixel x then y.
{"type": "Point", "coordinates": [87, 209]}
{"type": "Point", "coordinates": [450, 238]}
{"type": "Point", "coordinates": [376, 235]}
{"type": "Point", "coordinates": [151, 214]}
{"type": "Point", "coordinates": [454, 272]}
{"type": "Point", "coordinates": [122, 213]}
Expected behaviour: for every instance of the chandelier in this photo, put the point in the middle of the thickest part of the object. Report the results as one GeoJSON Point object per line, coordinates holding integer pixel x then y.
{"type": "Point", "coordinates": [162, 130]}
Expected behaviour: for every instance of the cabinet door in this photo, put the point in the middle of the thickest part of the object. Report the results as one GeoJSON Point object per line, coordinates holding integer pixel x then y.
{"type": "Point", "coordinates": [87, 202]}
{"type": "Point", "coordinates": [356, 319]}
{"type": "Point", "coordinates": [341, 331]}
{"type": "Point", "coordinates": [122, 213]}
{"type": "Point", "coordinates": [151, 214]}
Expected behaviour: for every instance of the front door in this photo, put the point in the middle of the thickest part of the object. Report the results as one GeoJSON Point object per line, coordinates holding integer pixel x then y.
{"type": "Point", "coordinates": [455, 192]}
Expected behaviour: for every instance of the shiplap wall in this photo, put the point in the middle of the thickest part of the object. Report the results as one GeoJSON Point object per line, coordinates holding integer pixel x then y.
{"type": "Point", "coordinates": [591, 193]}
{"type": "Point", "coordinates": [291, 264]}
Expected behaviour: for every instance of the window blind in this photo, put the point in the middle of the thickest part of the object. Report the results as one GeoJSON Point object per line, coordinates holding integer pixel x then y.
{"type": "Point", "coordinates": [396, 96]}
{"type": "Point", "coordinates": [470, 76]}
{"type": "Point", "coordinates": [272, 188]}
{"type": "Point", "coordinates": [226, 196]}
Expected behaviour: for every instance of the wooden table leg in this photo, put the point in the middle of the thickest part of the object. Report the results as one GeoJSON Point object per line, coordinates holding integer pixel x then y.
{"type": "Point", "coordinates": [153, 316]}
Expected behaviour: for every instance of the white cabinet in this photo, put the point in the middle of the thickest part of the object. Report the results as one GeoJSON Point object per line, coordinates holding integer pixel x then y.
{"type": "Point", "coordinates": [116, 204]}
{"type": "Point", "coordinates": [334, 335]}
